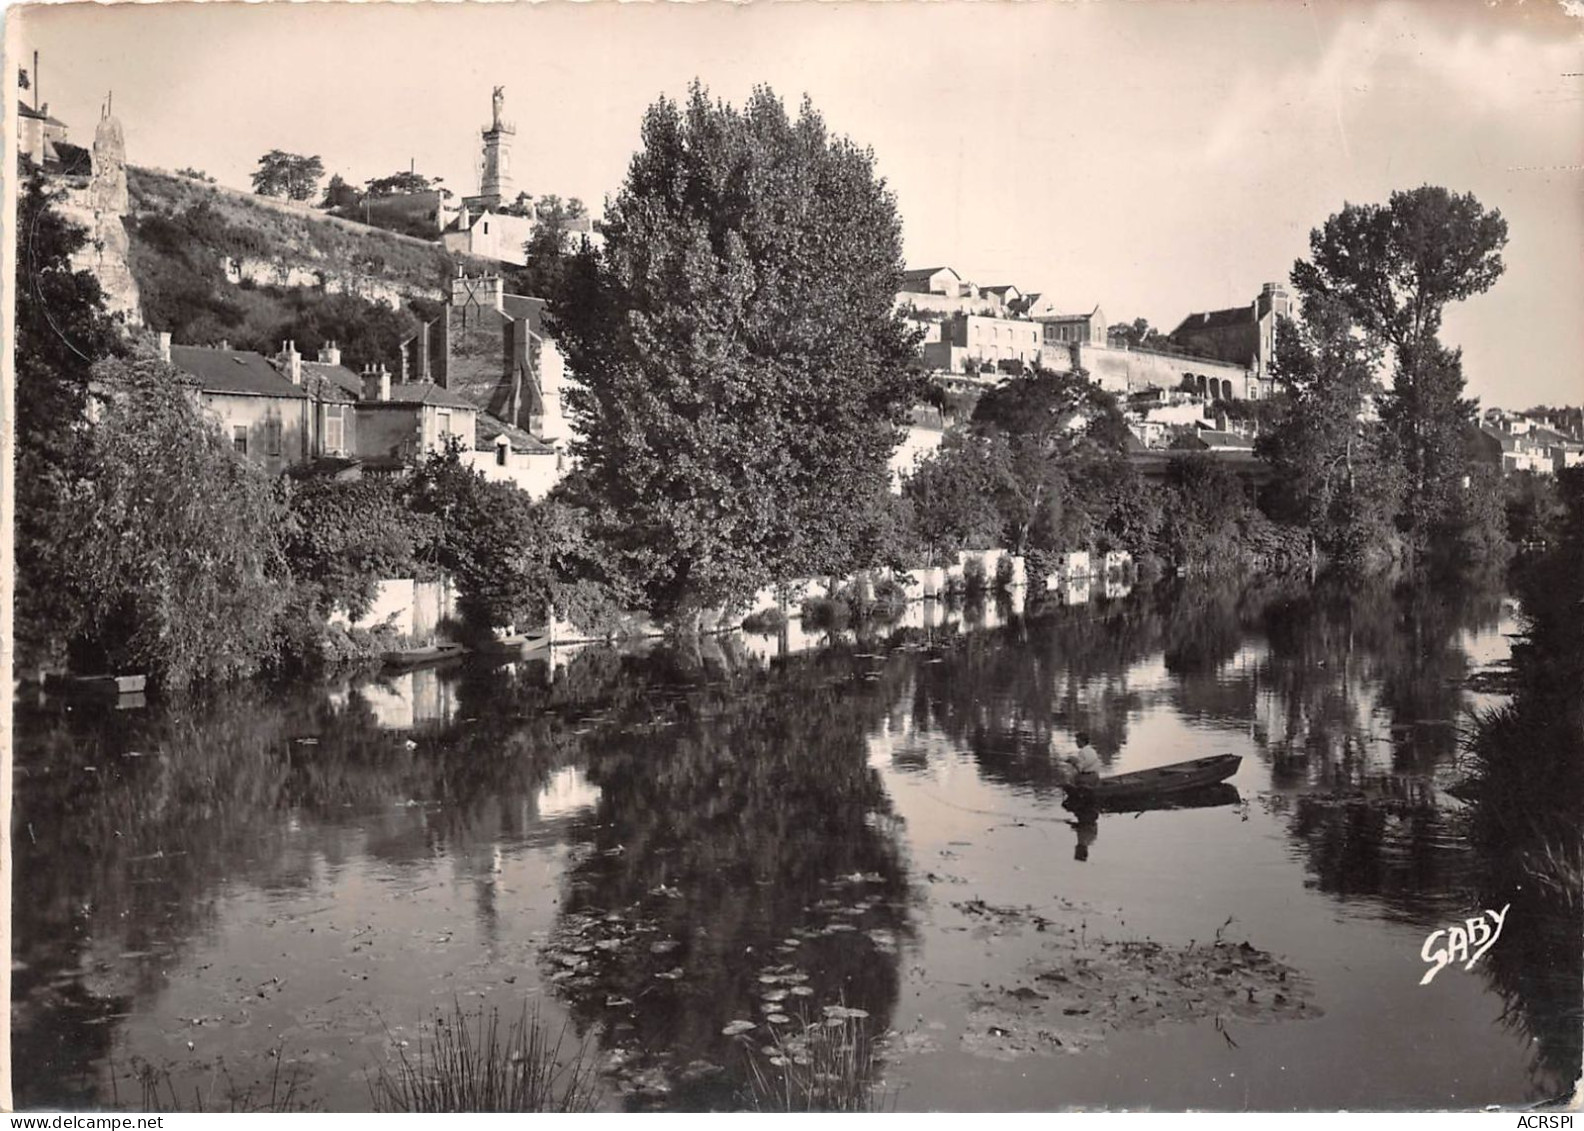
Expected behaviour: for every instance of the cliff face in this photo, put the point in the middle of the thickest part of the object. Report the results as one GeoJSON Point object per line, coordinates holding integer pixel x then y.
{"type": "Point", "coordinates": [98, 204]}
{"type": "Point", "coordinates": [210, 264]}
{"type": "Point", "coordinates": [107, 254]}
{"type": "Point", "coordinates": [260, 241]}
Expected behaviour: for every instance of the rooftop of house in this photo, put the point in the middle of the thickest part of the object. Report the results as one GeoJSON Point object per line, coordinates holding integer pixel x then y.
{"type": "Point", "coordinates": [1050, 315]}
{"type": "Point", "coordinates": [922, 274]}
{"type": "Point", "coordinates": [1215, 319]}
{"type": "Point", "coordinates": [1546, 435]}
{"type": "Point", "coordinates": [331, 382]}
{"type": "Point", "coordinates": [411, 393]}
{"type": "Point", "coordinates": [1506, 439]}
{"type": "Point", "coordinates": [235, 372]}
{"type": "Point", "coordinates": [489, 429]}
{"type": "Point", "coordinates": [42, 115]}
{"type": "Point", "coordinates": [523, 308]}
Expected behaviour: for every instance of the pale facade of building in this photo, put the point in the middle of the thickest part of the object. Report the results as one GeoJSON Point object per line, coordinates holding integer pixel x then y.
{"type": "Point", "coordinates": [971, 340]}
{"type": "Point", "coordinates": [487, 234]}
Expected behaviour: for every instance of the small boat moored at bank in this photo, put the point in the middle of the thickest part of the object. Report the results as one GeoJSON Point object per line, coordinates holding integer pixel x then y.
{"type": "Point", "coordinates": [418, 657]}
{"type": "Point", "coordinates": [515, 644]}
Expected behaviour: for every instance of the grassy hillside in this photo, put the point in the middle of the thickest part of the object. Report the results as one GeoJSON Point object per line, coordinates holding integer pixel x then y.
{"type": "Point", "coordinates": [183, 231]}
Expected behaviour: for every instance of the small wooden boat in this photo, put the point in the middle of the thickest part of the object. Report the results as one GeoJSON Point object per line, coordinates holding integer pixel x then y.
{"type": "Point", "coordinates": [516, 644]}
{"type": "Point", "coordinates": [1199, 797]}
{"type": "Point", "coordinates": [418, 657]}
{"type": "Point", "coordinates": [1176, 778]}
{"type": "Point", "coordinates": [104, 686]}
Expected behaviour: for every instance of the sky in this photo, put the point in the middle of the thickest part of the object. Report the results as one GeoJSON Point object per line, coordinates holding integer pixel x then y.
{"type": "Point", "coordinates": [1156, 157]}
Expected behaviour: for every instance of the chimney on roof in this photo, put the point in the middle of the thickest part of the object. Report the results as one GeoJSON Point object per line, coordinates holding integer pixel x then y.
{"type": "Point", "coordinates": [330, 354]}
{"type": "Point", "coordinates": [290, 362]}
{"type": "Point", "coordinates": [488, 291]}
{"type": "Point", "coordinates": [164, 346]}
{"type": "Point", "coordinates": [376, 383]}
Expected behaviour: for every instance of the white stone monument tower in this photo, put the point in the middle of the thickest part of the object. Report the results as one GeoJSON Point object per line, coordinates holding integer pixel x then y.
{"type": "Point", "coordinates": [495, 181]}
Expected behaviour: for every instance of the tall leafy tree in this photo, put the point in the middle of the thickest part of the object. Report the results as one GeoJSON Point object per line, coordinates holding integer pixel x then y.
{"type": "Point", "coordinates": [61, 331]}
{"type": "Point", "coordinates": [743, 376]}
{"type": "Point", "coordinates": [291, 175]}
{"type": "Point", "coordinates": [1337, 469]}
{"type": "Point", "coordinates": [1057, 428]}
{"type": "Point", "coordinates": [1394, 268]}
{"type": "Point", "coordinates": [340, 194]}
{"type": "Point", "coordinates": [405, 181]}
{"type": "Point", "coordinates": [956, 492]}
{"type": "Point", "coordinates": [550, 246]}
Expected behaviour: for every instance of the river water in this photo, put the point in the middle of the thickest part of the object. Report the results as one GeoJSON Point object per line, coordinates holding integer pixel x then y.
{"type": "Point", "coordinates": [647, 846]}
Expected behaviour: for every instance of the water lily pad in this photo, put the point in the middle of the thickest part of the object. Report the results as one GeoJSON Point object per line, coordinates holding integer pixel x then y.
{"type": "Point", "coordinates": [737, 1027]}
{"type": "Point", "coordinates": [778, 1019]}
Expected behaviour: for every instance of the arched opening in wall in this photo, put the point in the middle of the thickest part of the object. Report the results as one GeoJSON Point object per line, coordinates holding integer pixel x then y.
{"type": "Point", "coordinates": [1201, 380]}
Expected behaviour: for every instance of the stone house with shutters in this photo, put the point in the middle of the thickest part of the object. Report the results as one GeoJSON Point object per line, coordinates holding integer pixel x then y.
{"type": "Point", "coordinates": [279, 412]}
{"type": "Point", "coordinates": [262, 413]}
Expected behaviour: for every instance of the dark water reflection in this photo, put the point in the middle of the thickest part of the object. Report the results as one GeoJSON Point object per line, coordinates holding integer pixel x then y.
{"type": "Point", "coordinates": [646, 842]}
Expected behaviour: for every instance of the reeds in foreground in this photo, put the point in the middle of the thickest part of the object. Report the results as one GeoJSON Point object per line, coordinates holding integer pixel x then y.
{"type": "Point", "coordinates": [828, 1066]}
{"type": "Point", "coordinates": [469, 1064]}
{"type": "Point", "coordinates": [157, 1088]}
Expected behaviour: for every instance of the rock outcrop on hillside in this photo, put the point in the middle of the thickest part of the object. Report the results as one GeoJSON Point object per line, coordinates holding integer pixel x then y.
{"type": "Point", "coordinates": [98, 205]}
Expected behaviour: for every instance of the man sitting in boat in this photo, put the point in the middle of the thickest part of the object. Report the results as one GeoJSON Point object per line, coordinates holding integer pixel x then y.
{"type": "Point", "coordinates": [1082, 769]}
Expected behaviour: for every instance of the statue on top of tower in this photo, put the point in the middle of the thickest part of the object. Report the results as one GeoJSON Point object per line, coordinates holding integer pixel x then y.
{"type": "Point", "coordinates": [497, 100]}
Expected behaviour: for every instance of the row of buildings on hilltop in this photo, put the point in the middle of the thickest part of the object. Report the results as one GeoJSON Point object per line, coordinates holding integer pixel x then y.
{"type": "Point", "coordinates": [1536, 442]}
{"type": "Point", "coordinates": [1173, 396]}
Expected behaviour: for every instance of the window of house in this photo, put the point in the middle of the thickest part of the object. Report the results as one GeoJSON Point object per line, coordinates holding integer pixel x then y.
{"type": "Point", "coordinates": [500, 454]}
{"type": "Point", "coordinates": [272, 437]}
{"type": "Point", "coordinates": [443, 424]}
{"type": "Point", "coordinates": [486, 227]}
{"type": "Point", "coordinates": [239, 438]}
{"type": "Point", "coordinates": [335, 429]}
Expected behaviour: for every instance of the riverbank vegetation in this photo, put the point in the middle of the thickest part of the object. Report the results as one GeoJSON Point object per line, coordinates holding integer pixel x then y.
{"type": "Point", "coordinates": [1526, 789]}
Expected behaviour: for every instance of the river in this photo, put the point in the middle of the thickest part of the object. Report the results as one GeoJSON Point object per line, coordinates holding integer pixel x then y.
{"type": "Point", "coordinates": [646, 846]}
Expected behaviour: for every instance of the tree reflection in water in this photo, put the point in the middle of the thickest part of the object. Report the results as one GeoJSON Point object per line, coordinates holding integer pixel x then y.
{"type": "Point", "coordinates": [1367, 690]}
{"type": "Point", "coordinates": [131, 825]}
{"type": "Point", "coordinates": [740, 831]}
